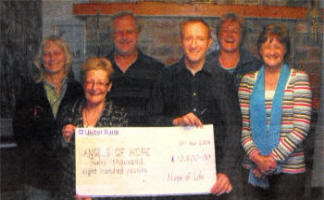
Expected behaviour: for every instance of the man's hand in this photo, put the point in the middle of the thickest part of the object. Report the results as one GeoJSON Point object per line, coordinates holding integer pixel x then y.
{"type": "Point", "coordinates": [68, 131]}
{"type": "Point", "coordinates": [188, 119]}
{"type": "Point", "coordinates": [77, 197]}
{"type": "Point", "coordinates": [222, 185]}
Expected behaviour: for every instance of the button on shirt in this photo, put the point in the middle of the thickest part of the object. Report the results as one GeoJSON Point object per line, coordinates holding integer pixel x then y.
{"type": "Point", "coordinates": [210, 95]}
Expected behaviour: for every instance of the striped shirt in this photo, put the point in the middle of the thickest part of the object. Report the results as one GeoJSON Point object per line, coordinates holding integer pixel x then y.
{"type": "Point", "coordinates": [295, 120]}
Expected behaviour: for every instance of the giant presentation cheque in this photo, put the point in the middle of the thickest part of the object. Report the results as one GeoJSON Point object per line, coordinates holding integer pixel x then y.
{"type": "Point", "coordinates": [144, 161]}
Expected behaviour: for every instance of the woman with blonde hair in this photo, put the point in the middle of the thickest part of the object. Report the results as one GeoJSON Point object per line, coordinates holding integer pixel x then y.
{"type": "Point", "coordinates": [95, 110]}
{"type": "Point", "coordinates": [35, 119]}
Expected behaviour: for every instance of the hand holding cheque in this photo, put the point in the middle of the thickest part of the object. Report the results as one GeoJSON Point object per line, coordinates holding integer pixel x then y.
{"type": "Point", "coordinates": [146, 161]}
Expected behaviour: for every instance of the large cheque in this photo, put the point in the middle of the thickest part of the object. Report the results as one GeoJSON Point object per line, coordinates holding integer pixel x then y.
{"type": "Point", "coordinates": [145, 161]}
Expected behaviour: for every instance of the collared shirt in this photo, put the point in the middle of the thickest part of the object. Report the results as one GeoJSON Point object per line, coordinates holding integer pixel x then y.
{"type": "Point", "coordinates": [210, 95]}
{"type": "Point", "coordinates": [131, 89]}
{"type": "Point", "coordinates": [53, 97]}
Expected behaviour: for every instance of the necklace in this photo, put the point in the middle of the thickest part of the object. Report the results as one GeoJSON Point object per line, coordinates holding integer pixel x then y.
{"type": "Point", "coordinates": [89, 122]}
{"type": "Point", "coordinates": [86, 115]}
{"type": "Point", "coordinates": [86, 118]}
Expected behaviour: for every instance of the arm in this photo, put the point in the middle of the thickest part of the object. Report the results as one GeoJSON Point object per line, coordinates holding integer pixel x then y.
{"type": "Point", "coordinates": [265, 164]}
{"type": "Point", "coordinates": [161, 106]}
{"type": "Point", "coordinates": [22, 120]}
{"type": "Point", "coordinates": [302, 106]}
{"type": "Point", "coordinates": [231, 122]}
{"type": "Point", "coordinates": [245, 91]}
{"type": "Point", "coordinates": [67, 123]}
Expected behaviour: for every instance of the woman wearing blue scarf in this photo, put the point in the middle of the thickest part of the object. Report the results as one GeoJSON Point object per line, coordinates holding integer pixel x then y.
{"type": "Point", "coordinates": [276, 109]}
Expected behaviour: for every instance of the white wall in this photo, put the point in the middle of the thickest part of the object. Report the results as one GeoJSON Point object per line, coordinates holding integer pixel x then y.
{"type": "Point", "coordinates": [59, 13]}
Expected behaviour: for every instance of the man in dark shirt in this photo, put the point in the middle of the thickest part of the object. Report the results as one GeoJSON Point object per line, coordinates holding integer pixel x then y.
{"type": "Point", "coordinates": [194, 92]}
{"type": "Point", "coordinates": [134, 72]}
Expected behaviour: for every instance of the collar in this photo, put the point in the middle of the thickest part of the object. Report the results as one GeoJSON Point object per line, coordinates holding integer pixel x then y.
{"type": "Point", "coordinates": [207, 67]}
{"type": "Point", "coordinates": [139, 58]}
{"type": "Point", "coordinates": [46, 82]}
{"type": "Point", "coordinates": [245, 57]}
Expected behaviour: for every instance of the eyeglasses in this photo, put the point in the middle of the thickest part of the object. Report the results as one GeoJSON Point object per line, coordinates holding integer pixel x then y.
{"type": "Point", "coordinates": [93, 83]}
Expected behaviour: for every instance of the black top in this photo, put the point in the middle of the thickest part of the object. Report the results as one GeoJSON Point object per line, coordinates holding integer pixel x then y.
{"type": "Point", "coordinates": [247, 63]}
{"type": "Point", "coordinates": [132, 89]}
{"type": "Point", "coordinates": [112, 116]}
{"type": "Point", "coordinates": [210, 95]}
{"type": "Point", "coordinates": [35, 131]}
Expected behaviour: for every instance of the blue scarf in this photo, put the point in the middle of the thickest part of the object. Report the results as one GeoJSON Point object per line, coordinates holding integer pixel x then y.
{"type": "Point", "coordinates": [266, 139]}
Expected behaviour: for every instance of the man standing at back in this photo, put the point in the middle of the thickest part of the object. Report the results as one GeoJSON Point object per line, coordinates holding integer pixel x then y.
{"type": "Point", "coordinates": [134, 72]}
{"type": "Point", "coordinates": [194, 92]}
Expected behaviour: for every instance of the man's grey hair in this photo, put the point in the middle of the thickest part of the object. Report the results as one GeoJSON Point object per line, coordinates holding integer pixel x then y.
{"type": "Point", "coordinates": [124, 14]}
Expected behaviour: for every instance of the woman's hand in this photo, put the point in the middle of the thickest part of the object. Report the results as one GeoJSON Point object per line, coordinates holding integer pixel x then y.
{"type": "Point", "coordinates": [266, 164]}
{"type": "Point", "coordinates": [68, 131]}
{"type": "Point", "coordinates": [257, 172]}
{"type": "Point", "coordinates": [222, 185]}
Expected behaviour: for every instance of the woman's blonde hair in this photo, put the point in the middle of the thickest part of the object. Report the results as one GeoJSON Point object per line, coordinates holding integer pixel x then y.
{"type": "Point", "coordinates": [38, 61]}
{"type": "Point", "coordinates": [97, 63]}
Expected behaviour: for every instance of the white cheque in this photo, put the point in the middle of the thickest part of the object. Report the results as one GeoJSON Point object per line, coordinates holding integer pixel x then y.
{"type": "Point", "coordinates": [144, 161]}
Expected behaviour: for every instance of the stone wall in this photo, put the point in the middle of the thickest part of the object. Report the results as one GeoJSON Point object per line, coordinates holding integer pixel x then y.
{"type": "Point", "coordinates": [160, 39]}
{"type": "Point", "coordinates": [21, 25]}
{"type": "Point", "coordinates": [160, 35]}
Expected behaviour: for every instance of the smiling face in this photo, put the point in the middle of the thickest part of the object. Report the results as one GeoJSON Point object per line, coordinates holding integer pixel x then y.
{"type": "Point", "coordinates": [96, 86]}
{"type": "Point", "coordinates": [273, 52]}
{"type": "Point", "coordinates": [53, 58]}
{"type": "Point", "coordinates": [195, 41]}
{"type": "Point", "coordinates": [230, 36]}
{"type": "Point", "coordinates": [125, 35]}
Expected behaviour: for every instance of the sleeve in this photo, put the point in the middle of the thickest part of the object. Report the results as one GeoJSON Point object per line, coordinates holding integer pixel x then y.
{"type": "Point", "coordinates": [67, 117]}
{"type": "Point", "coordinates": [120, 116]}
{"type": "Point", "coordinates": [22, 120]}
{"type": "Point", "coordinates": [158, 106]}
{"type": "Point", "coordinates": [28, 123]}
{"type": "Point", "coordinates": [302, 108]}
{"type": "Point", "coordinates": [231, 122]}
{"type": "Point", "coordinates": [244, 93]}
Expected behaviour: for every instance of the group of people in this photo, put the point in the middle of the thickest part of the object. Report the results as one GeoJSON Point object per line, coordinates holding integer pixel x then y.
{"type": "Point", "coordinates": [260, 109]}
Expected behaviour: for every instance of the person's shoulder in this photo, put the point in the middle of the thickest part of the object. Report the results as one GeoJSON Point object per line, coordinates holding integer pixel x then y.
{"type": "Point", "coordinates": [296, 70]}
{"type": "Point", "coordinates": [175, 67]}
{"type": "Point", "coordinates": [114, 109]}
{"type": "Point", "coordinates": [151, 61]}
{"type": "Point", "coordinates": [110, 56]}
{"type": "Point", "coordinates": [75, 87]}
{"type": "Point", "coordinates": [213, 56]}
{"type": "Point", "coordinates": [74, 83]}
{"type": "Point", "coordinates": [249, 60]}
{"type": "Point", "coordinates": [299, 74]}
{"type": "Point", "coordinates": [111, 104]}
{"type": "Point", "coordinates": [250, 76]}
